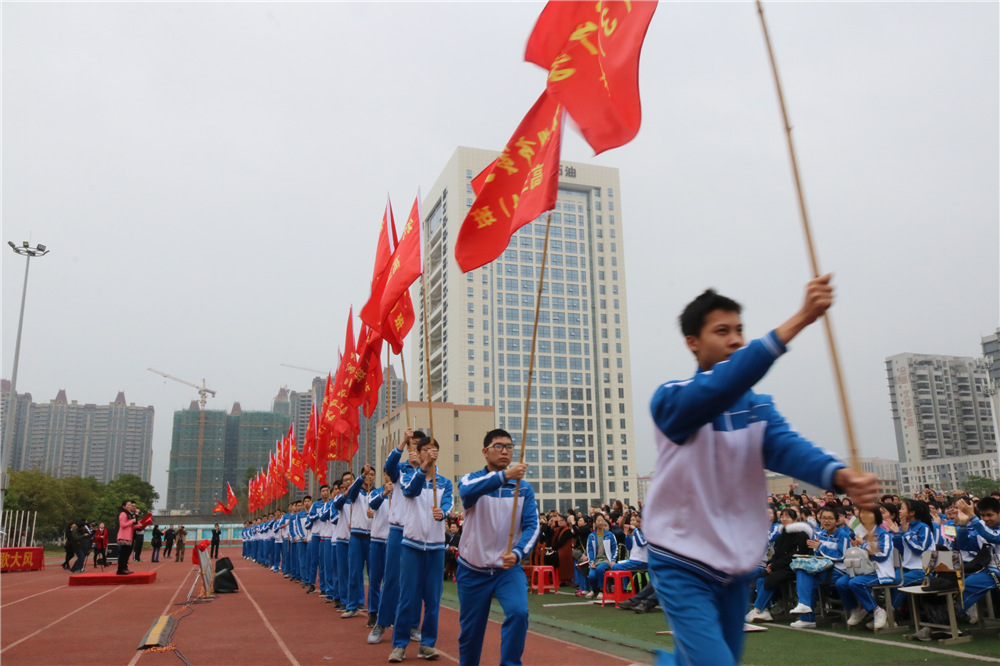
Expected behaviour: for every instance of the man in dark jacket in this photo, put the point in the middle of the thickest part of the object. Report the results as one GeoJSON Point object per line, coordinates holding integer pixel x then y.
{"type": "Point", "coordinates": [168, 541]}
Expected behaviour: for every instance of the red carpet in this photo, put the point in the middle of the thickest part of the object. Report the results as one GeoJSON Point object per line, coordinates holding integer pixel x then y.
{"type": "Point", "coordinates": [137, 578]}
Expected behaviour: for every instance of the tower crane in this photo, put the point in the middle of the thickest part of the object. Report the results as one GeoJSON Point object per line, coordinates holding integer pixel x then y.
{"type": "Point", "coordinates": [203, 392]}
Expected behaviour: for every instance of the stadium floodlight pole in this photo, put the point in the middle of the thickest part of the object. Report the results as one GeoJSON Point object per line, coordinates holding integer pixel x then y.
{"type": "Point", "coordinates": [25, 250]}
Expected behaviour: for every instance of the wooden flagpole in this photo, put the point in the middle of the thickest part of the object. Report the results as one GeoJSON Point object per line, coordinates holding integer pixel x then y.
{"type": "Point", "coordinates": [531, 369]}
{"type": "Point", "coordinates": [406, 392]}
{"type": "Point", "coordinates": [828, 325]}
{"type": "Point", "coordinates": [427, 368]}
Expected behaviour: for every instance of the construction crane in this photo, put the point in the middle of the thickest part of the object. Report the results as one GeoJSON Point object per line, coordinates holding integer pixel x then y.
{"type": "Point", "coordinates": [299, 367]}
{"type": "Point", "coordinates": [203, 392]}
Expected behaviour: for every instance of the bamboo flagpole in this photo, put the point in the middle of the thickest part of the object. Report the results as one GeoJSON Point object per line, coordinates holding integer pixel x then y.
{"type": "Point", "coordinates": [427, 369]}
{"type": "Point", "coordinates": [531, 372]}
{"type": "Point", "coordinates": [827, 324]}
{"type": "Point", "coordinates": [406, 389]}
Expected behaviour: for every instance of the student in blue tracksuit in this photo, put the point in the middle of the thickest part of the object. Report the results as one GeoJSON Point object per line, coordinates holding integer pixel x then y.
{"type": "Point", "coordinates": [342, 538]}
{"type": "Point", "coordinates": [974, 533]}
{"type": "Point", "coordinates": [397, 470]}
{"type": "Point", "coordinates": [602, 552]}
{"type": "Point", "coordinates": [715, 437]}
{"type": "Point", "coordinates": [911, 537]}
{"type": "Point", "coordinates": [855, 591]}
{"type": "Point", "coordinates": [829, 542]}
{"type": "Point", "coordinates": [328, 545]}
{"type": "Point", "coordinates": [360, 540]}
{"type": "Point", "coordinates": [486, 569]}
{"type": "Point", "coordinates": [423, 554]}
{"type": "Point", "coordinates": [635, 542]}
{"type": "Point", "coordinates": [378, 510]}
{"type": "Point", "coordinates": [314, 551]}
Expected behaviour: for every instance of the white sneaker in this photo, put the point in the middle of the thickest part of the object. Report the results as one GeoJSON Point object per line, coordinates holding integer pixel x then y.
{"type": "Point", "coordinates": [801, 609]}
{"type": "Point", "coordinates": [973, 614]}
{"type": "Point", "coordinates": [802, 624]}
{"type": "Point", "coordinates": [857, 617]}
{"type": "Point", "coordinates": [600, 595]}
{"type": "Point", "coordinates": [765, 616]}
{"type": "Point", "coordinates": [880, 618]}
{"type": "Point", "coordinates": [590, 594]}
{"type": "Point", "coordinates": [751, 616]}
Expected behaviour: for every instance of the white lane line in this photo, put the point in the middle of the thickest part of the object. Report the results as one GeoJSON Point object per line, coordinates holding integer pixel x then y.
{"type": "Point", "coordinates": [866, 639]}
{"type": "Point", "coordinates": [267, 623]}
{"type": "Point", "coordinates": [52, 624]}
{"type": "Point", "coordinates": [166, 611]}
{"type": "Point", "coordinates": [34, 595]}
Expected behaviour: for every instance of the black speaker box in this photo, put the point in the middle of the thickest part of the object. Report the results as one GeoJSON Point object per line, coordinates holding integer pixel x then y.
{"type": "Point", "coordinates": [225, 582]}
{"type": "Point", "coordinates": [223, 563]}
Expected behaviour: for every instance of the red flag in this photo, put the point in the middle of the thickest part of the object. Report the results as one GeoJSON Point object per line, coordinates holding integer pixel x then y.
{"type": "Point", "coordinates": [369, 360]}
{"type": "Point", "coordinates": [372, 310]}
{"type": "Point", "coordinates": [221, 508]}
{"type": "Point", "coordinates": [406, 264]}
{"type": "Point", "coordinates": [372, 384]}
{"type": "Point", "coordinates": [401, 317]}
{"type": "Point", "coordinates": [231, 499]}
{"type": "Point", "coordinates": [591, 50]}
{"type": "Point", "coordinates": [521, 184]}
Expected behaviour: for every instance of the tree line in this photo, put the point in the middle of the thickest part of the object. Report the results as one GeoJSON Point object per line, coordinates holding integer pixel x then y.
{"type": "Point", "coordinates": [62, 501]}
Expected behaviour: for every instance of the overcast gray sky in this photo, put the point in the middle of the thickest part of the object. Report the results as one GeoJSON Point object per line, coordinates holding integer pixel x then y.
{"type": "Point", "coordinates": [210, 178]}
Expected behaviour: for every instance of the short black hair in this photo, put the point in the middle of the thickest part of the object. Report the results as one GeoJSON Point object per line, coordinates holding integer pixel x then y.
{"type": "Point", "coordinates": [324, 486]}
{"type": "Point", "coordinates": [692, 319]}
{"type": "Point", "coordinates": [307, 497]}
{"type": "Point", "coordinates": [425, 441]}
{"type": "Point", "coordinates": [989, 504]}
{"type": "Point", "coordinates": [496, 433]}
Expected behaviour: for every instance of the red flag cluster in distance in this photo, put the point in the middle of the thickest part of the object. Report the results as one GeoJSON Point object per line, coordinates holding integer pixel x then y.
{"type": "Point", "coordinates": [591, 51]}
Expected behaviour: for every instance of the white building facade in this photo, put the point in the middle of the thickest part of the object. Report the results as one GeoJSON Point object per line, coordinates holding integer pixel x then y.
{"type": "Point", "coordinates": [580, 436]}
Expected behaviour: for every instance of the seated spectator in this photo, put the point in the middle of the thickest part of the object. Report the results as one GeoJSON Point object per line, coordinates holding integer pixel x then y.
{"type": "Point", "coordinates": [829, 542]}
{"type": "Point", "coordinates": [636, 544]}
{"type": "Point", "coordinates": [855, 591]}
{"type": "Point", "coordinates": [791, 541]}
{"type": "Point", "coordinates": [912, 536]}
{"type": "Point", "coordinates": [602, 551]}
{"type": "Point", "coordinates": [982, 531]}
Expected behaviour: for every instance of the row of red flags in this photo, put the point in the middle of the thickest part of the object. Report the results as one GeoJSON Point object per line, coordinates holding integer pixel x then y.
{"type": "Point", "coordinates": [591, 53]}
{"type": "Point", "coordinates": [387, 317]}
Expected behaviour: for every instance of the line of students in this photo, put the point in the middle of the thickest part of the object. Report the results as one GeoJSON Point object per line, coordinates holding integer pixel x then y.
{"type": "Point", "coordinates": [397, 533]}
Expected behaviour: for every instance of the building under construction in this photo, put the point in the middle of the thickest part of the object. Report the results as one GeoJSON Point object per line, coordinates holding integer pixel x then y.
{"type": "Point", "coordinates": [230, 445]}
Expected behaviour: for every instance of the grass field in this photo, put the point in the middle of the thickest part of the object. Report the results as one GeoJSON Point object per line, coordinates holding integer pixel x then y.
{"type": "Point", "coordinates": [633, 636]}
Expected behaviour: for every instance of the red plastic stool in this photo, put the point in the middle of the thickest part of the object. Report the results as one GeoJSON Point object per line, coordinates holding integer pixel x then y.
{"type": "Point", "coordinates": [543, 578]}
{"type": "Point", "coordinates": [619, 594]}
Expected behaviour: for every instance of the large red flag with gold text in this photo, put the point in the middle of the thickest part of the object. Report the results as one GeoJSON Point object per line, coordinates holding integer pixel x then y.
{"type": "Point", "coordinates": [400, 319]}
{"type": "Point", "coordinates": [591, 50]}
{"type": "Point", "coordinates": [405, 266]}
{"type": "Point", "coordinates": [372, 310]}
{"type": "Point", "coordinates": [522, 183]}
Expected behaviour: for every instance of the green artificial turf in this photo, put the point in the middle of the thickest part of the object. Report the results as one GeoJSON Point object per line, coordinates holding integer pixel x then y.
{"type": "Point", "coordinates": [632, 637]}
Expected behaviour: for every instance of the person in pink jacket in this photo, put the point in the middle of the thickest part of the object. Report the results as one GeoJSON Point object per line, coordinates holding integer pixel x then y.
{"type": "Point", "coordinates": [126, 526]}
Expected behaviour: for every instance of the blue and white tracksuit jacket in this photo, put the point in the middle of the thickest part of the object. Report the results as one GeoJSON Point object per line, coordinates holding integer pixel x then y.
{"type": "Point", "coordinates": [488, 499]}
{"type": "Point", "coordinates": [398, 471]}
{"type": "Point", "coordinates": [715, 437]}
{"type": "Point", "coordinates": [357, 554]}
{"type": "Point", "coordinates": [973, 536]}
{"type": "Point", "coordinates": [423, 552]}
{"type": "Point", "coordinates": [637, 555]}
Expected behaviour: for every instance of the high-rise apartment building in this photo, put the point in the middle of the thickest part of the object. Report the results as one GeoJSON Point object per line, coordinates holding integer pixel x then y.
{"type": "Point", "coordinates": [943, 419]}
{"type": "Point", "coordinates": [64, 438]}
{"type": "Point", "coordinates": [230, 445]}
{"type": "Point", "coordinates": [580, 437]}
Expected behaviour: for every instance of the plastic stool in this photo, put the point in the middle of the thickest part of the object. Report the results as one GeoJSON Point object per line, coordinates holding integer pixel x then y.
{"type": "Point", "coordinates": [619, 594]}
{"type": "Point", "coordinates": [543, 578]}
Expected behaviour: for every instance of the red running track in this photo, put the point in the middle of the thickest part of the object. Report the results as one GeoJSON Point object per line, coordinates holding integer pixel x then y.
{"type": "Point", "coordinates": [269, 621]}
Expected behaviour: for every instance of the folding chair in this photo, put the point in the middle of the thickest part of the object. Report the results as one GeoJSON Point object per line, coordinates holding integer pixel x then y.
{"type": "Point", "coordinates": [939, 562]}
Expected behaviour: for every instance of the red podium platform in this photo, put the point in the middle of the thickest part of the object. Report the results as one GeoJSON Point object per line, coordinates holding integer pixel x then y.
{"type": "Point", "coordinates": [137, 578]}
